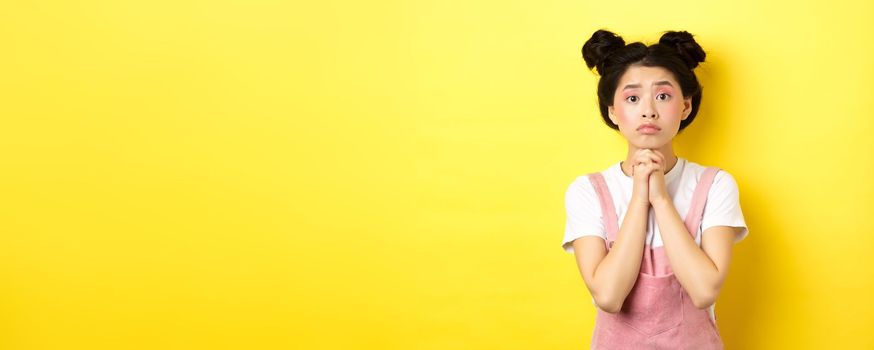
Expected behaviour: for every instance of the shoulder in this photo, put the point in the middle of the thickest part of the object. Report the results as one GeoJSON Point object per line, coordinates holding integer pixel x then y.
{"type": "Point", "coordinates": [723, 177]}
{"type": "Point", "coordinates": [581, 186]}
{"type": "Point", "coordinates": [723, 180]}
{"type": "Point", "coordinates": [581, 191]}
{"type": "Point", "coordinates": [583, 183]}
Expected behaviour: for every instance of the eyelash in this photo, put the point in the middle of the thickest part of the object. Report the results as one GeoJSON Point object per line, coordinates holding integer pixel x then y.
{"type": "Point", "coordinates": [667, 96]}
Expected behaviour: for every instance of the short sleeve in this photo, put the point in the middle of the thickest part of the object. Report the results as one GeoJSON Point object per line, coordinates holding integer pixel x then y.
{"type": "Point", "coordinates": [723, 205]}
{"type": "Point", "coordinates": [583, 213]}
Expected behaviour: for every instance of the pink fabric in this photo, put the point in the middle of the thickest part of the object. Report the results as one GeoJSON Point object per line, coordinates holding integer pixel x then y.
{"type": "Point", "coordinates": [657, 313]}
{"type": "Point", "coordinates": [611, 222]}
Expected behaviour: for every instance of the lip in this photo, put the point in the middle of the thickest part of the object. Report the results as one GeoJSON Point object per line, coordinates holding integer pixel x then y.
{"type": "Point", "coordinates": [648, 129]}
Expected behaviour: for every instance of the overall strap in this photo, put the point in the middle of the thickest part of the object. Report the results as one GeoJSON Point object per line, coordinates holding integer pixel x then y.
{"type": "Point", "coordinates": [699, 200]}
{"type": "Point", "coordinates": [608, 213]}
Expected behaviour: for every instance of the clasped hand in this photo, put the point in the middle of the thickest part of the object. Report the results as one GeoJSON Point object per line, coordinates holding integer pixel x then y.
{"type": "Point", "coordinates": [648, 173]}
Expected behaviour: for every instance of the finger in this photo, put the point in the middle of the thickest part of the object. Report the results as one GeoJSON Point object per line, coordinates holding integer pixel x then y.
{"type": "Point", "coordinates": [638, 169]}
{"type": "Point", "coordinates": [644, 168]}
{"type": "Point", "coordinates": [643, 152]}
{"type": "Point", "coordinates": [660, 156]}
{"type": "Point", "coordinates": [646, 158]}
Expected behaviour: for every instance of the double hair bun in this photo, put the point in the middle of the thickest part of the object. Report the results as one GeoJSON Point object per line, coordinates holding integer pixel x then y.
{"type": "Point", "coordinates": [606, 49]}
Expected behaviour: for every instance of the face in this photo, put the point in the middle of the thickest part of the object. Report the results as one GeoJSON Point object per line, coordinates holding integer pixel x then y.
{"type": "Point", "coordinates": [649, 96]}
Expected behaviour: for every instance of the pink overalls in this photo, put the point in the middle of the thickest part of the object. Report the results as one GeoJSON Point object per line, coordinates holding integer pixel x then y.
{"type": "Point", "coordinates": [658, 313]}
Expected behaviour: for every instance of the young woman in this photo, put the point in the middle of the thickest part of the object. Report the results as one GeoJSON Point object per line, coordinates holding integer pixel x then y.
{"type": "Point", "coordinates": [652, 234]}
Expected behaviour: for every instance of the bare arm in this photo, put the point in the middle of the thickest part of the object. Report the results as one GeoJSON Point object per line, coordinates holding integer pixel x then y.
{"type": "Point", "coordinates": [701, 271]}
{"type": "Point", "coordinates": [610, 276]}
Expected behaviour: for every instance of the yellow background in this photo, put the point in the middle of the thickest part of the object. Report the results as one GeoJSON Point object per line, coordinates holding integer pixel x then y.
{"type": "Point", "coordinates": [391, 174]}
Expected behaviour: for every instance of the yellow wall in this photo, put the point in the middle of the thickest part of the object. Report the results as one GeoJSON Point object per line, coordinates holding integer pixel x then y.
{"type": "Point", "coordinates": [390, 175]}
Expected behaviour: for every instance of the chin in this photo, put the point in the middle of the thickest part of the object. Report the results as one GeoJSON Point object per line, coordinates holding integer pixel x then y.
{"type": "Point", "coordinates": [651, 144]}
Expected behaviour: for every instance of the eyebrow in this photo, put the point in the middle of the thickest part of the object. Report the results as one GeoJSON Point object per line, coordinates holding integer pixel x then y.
{"type": "Point", "coordinates": [634, 86]}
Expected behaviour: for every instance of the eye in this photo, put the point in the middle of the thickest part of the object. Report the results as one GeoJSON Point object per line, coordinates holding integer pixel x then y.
{"type": "Point", "coordinates": [666, 96]}
{"type": "Point", "coordinates": [631, 98]}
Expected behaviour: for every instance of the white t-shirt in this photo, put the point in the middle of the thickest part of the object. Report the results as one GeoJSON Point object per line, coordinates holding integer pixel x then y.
{"type": "Point", "coordinates": [584, 210]}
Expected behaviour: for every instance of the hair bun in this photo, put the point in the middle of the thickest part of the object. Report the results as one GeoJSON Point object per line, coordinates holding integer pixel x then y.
{"type": "Point", "coordinates": [599, 47]}
{"type": "Point", "coordinates": [685, 45]}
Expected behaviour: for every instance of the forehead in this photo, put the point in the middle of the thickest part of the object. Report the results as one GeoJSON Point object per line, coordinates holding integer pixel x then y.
{"type": "Point", "coordinates": [645, 76]}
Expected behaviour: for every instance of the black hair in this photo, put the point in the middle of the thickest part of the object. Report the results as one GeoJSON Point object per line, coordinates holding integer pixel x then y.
{"type": "Point", "coordinates": [676, 51]}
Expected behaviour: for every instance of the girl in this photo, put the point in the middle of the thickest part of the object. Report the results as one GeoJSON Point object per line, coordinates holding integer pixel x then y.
{"type": "Point", "coordinates": [652, 234]}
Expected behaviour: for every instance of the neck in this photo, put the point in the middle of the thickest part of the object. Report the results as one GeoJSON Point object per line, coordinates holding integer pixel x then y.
{"type": "Point", "coordinates": [667, 150]}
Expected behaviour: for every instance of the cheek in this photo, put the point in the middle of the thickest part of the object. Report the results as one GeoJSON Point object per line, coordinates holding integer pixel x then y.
{"type": "Point", "coordinates": [672, 109]}
{"type": "Point", "coordinates": [624, 113]}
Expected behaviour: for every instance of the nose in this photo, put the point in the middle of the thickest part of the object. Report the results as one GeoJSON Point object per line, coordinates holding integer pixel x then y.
{"type": "Point", "coordinates": [649, 110]}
